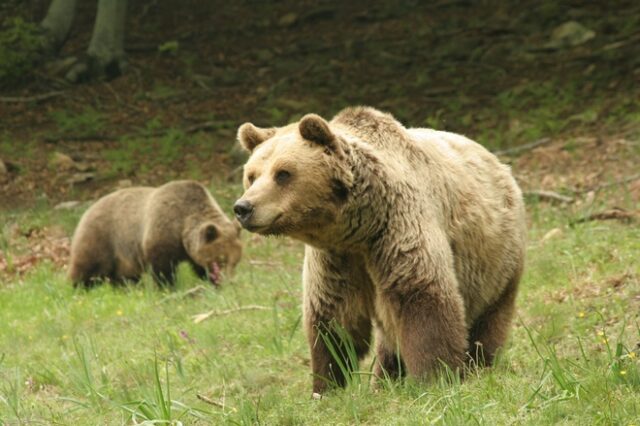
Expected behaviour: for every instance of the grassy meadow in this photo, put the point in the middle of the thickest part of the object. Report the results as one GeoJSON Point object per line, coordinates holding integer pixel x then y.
{"type": "Point", "coordinates": [237, 355]}
{"type": "Point", "coordinates": [135, 355]}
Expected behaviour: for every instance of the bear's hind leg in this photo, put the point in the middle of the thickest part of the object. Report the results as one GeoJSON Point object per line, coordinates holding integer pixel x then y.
{"type": "Point", "coordinates": [490, 331]}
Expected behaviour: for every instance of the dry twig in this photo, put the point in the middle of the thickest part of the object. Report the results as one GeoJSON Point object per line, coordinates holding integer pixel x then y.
{"type": "Point", "coordinates": [210, 401]}
{"type": "Point", "coordinates": [523, 148]}
{"type": "Point", "coordinates": [614, 213]}
{"type": "Point", "coordinates": [35, 98]}
{"type": "Point", "coordinates": [192, 292]}
{"type": "Point", "coordinates": [610, 184]}
{"type": "Point", "coordinates": [548, 196]}
{"type": "Point", "coordinates": [201, 317]}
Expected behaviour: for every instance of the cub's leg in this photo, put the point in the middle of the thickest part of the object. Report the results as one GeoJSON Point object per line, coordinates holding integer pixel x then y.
{"type": "Point", "coordinates": [199, 271]}
{"type": "Point", "coordinates": [490, 331]}
{"type": "Point", "coordinates": [337, 292]}
{"type": "Point", "coordinates": [85, 274]}
{"type": "Point", "coordinates": [90, 263]}
{"type": "Point", "coordinates": [162, 264]}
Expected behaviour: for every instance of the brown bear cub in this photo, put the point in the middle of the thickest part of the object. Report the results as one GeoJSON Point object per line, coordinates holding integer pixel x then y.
{"type": "Point", "coordinates": [416, 233]}
{"type": "Point", "coordinates": [133, 229]}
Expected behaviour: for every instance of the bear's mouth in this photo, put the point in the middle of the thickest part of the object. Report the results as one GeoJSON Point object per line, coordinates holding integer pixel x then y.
{"type": "Point", "coordinates": [214, 274]}
{"type": "Point", "coordinates": [264, 229]}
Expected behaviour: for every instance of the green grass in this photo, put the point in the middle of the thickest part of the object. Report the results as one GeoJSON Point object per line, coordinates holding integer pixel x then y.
{"type": "Point", "coordinates": [114, 356]}
{"type": "Point", "coordinates": [87, 122]}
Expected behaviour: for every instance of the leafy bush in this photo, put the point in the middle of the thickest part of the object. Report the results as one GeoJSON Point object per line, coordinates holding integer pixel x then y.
{"type": "Point", "coordinates": [20, 47]}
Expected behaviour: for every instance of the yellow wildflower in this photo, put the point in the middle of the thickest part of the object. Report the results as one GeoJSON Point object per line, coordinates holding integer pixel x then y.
{"type": "Point", "coordinates": [581, 314]}
{"type": "Point", "coordinates": [623, 372]}
{"type": "Point", "coordinates": [119, 312]}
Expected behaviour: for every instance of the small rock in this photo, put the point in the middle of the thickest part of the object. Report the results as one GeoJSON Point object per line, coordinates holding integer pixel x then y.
{"type": "Point", "coordinates": [82, 167]}
{"type": "Point", "coordinates": [62, 161]}
{"type": "Point", "coordinates": [570, 34]}
{"type": "Point", "coordinates": [554, 233]}
{"type": "Point", "coordinates": [124, 183]}
{"type": "Point", "coordinates": [67, 205]}
{"type": "Point", "coordinates": [316, 395]}
{"type": "Point", "coordinates": [288, 20]}
{"type": "Point", "coordinates": [80, 178]}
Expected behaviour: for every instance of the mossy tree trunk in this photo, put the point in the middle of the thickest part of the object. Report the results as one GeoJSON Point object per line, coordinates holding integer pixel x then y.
{"type": "Point", "coordinates": [57, 23]}
{"type": "Point", "coordinates": [105, 56]}
{"type": "Point", "coordinates": [107, 42]}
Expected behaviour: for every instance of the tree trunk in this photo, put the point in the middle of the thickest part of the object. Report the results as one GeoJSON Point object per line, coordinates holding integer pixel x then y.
{"type": "Point", "coordinates": [107, 42]}
{"type": "Point", "coordinates": [58, 22]}
{"type": "Point", "coordinates": [105, 56]}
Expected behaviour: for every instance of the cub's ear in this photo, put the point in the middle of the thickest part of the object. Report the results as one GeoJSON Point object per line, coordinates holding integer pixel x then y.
{"type": "Point", "coordinates": [314, 128]}
{"type": "Point", "coordinates": [251, 136]}
{"type": "Point", "coordinates": [209, 233]}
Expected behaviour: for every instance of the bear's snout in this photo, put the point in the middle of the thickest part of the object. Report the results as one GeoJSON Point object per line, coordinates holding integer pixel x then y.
{"type": "Point", "coordinates": [243, 210]}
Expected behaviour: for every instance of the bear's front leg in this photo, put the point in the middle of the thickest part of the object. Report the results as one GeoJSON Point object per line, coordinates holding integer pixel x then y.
{"type": "Point", "coordinates": [424, 310]}
{"type": "Point", "coordinates": [337, 300]}
{"type": "Point", "coordinates": [432, 330]}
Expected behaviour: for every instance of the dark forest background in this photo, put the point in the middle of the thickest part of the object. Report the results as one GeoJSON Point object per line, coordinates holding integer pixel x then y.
{"type": "Point", "coordinates": [503, 73]}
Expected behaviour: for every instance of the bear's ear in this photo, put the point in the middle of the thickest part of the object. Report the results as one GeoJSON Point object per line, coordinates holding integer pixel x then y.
{"type": "Point", "coordinates": [314, 128]}
{"type": "Point", "coordinates": [209, 233]}
{"type": "Point", "coordinates": [251, 136]}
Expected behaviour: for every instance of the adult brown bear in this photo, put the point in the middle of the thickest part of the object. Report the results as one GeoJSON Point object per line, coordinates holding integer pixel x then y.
{"type": "Point", "coordinates": [418, 232]}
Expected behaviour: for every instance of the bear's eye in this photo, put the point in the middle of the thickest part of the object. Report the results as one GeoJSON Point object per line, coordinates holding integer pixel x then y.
{"type": "Point", "coordinates": [251, 178]}
{"type": "Point", "coordinates": [282, 177]}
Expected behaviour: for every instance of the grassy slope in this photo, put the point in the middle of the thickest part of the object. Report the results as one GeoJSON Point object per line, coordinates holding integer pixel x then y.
{"type": "Point", "coordinates": [91, 358]}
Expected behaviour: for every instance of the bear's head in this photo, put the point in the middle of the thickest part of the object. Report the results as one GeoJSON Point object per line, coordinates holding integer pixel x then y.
{"type": "Point", "coordinates": [215, 246]}
{"type": "Point", "coordinates": [296, 179]}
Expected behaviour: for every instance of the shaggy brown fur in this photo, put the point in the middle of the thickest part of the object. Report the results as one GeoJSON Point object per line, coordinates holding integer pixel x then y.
{"type": "Point", "coordinates": [131, 229]}
{"type": "Point", "coordinates": [418, 232]}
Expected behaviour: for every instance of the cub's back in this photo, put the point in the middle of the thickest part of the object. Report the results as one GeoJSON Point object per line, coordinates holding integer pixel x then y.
{"type": "Point", "coordinates": [114, 217]}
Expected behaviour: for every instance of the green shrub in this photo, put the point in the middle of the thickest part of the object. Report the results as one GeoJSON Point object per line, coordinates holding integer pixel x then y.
{"type": "Point", "coordinates": [20, 48]}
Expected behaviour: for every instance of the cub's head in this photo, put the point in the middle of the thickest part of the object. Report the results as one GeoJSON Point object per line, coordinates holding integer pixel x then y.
{"type": "Point", "coordinates": [214, 246]}
{"type": "Point", "coordinates": [295, 180]}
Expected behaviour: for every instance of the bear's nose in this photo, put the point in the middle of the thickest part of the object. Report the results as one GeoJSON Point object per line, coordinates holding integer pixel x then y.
{"type": "Point", "coordinates": [243, 210]}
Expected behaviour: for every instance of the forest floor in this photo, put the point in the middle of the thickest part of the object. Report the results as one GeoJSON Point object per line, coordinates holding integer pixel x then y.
{"type": "Point", "coordinates": [494, 72]}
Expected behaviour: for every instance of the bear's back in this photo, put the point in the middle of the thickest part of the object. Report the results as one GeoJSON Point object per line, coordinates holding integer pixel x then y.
{"type": "Point", "coordinates": [487, 220]}
{"type": "Point", "coordinates": [175, 200]}
{"type": "Point", "coordinates": [116, 220]}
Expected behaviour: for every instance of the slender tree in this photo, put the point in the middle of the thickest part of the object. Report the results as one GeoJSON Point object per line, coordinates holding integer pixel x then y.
{"type": "Point", "coordinates": [105, 55]}
{"type": "Point", "coordinates": [57, 23]}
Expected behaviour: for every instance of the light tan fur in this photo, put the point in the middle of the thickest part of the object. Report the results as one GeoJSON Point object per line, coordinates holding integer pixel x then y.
{"type": "Point", "coordinates": [133, 229]}
{"type": "Point", "coordinates": [418, 232]}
